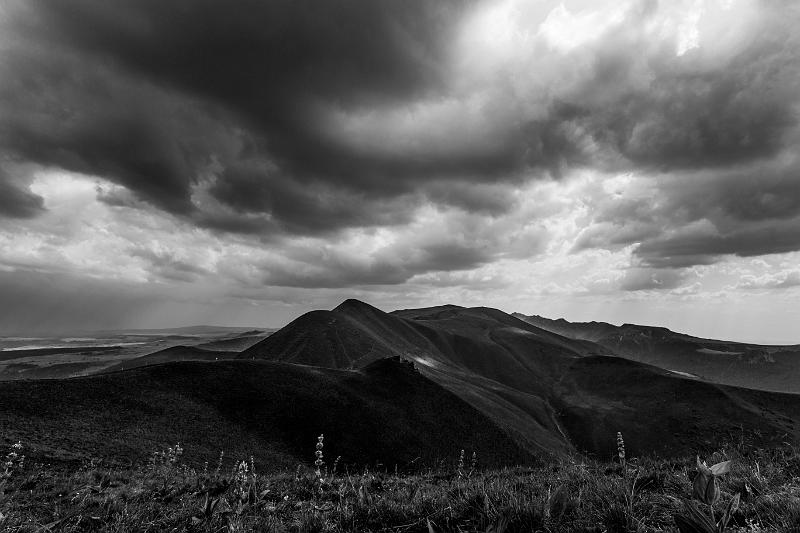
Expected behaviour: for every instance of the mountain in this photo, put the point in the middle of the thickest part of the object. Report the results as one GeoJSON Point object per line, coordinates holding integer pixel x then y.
{"type": "Point", "coordinates": [461, 349]}
{"type": "Point", "coordinates": [548, 391]}
{"type": "Point", "coordinates": [383, 413]}
{"type": "Point", "coordinates": [774, 368]}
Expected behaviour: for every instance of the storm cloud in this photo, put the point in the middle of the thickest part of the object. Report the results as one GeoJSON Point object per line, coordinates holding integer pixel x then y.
{"type": "Point", "coordinates": [297, 109]}
{"type": "Point", "coordinates": [373, 143]}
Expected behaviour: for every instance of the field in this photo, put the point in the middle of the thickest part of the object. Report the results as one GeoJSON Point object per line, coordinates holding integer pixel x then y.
{"type": "Point", "coordinates": [570, 494]}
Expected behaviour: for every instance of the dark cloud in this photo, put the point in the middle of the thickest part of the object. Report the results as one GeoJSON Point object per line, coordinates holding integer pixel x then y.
{"type": "Point", "coordinates": [705, 247]}
{"type": "Point", "coordinates": [342, 271]}
{"type": "Point", "coordinates": [686, 119]}
{"type": "Point", "coordinates": [157, 96]}
{"type": "Point", "coordinates": [16, 202]}
{"type": "Point", "coordinates": [258, 55]}
{"type": "Point", "coordinates": [275, 64]}
{"type": "Point", "coordinates": [64, 111]}
{"type": "Point", "coordinates": [768, 191]}
{"type": "Point", "coordinates": [696, 218]}
{"type": "Point", "coordinates": [164, 96]}
{"type": "Point", "coordinates": [306, 208]}
{"type": "Point", "coordinates": [419, 253]}
{"type": "Point", "coordinates": [327, 269]}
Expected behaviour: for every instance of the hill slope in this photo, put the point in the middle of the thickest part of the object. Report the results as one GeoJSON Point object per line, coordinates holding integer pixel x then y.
{"type": "Point", "coordinates": [775, 368]}
{"type": "Point", "coordinates": [386, 412]}
{"type": "Point", "coordinates": [662, 412]}
{"type": "Point", "coordinates": [549, 392]}
{"type": "Point", "coordinates": [171, 355]}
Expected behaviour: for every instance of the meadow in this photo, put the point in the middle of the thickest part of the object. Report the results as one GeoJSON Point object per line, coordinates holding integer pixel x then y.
{"type": "Point", "coordinates": [745, 489]}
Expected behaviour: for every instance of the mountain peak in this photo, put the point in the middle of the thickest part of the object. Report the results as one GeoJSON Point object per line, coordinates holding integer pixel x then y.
{"type": "Point", "coordinates": [351, 305]}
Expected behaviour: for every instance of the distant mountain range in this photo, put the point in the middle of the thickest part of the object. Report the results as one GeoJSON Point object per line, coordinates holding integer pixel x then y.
{"type": "Point", "coordinates": [774, 368]}
{"type": "Point", "coordinates": [420, 383]}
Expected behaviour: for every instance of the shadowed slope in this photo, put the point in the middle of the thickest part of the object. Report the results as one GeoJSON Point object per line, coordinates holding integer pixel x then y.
{"type": "Point", "coordinates": [384, 413]}
{"type": "Point", "coordinates": [663, 412]}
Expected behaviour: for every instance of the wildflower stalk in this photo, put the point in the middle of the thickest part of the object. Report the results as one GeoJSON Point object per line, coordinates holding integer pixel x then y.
{"type": "Point", "coordinates": [628, 483]}
{"type": "Point", "coordinates": [318, 462]}
{"type": "Point", "coordinates": [219, 464]}
{"type": "Point", "coordinates": [13, 462]}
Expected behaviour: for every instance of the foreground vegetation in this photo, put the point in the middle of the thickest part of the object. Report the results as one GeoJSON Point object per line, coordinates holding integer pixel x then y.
{"type": "Point", "coordinates": [758, 490]}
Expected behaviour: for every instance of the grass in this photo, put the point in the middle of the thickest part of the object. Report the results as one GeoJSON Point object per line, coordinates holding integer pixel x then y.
{"type": "Point", "coordinates": [164, 494]}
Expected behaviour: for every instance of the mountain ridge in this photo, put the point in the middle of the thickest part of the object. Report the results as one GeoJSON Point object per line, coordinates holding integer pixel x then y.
{"type": "Point", "coordinates": [530, 380]}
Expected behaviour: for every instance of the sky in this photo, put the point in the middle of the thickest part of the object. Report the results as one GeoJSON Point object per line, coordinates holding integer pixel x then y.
{"type": "Point", "coordinates": [240, 163]}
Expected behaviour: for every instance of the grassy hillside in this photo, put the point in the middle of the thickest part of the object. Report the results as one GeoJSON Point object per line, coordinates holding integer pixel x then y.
{"type": "Point", "coordinates": [664, 412]}
{"type": "Point", "coordinates": [384, 413]}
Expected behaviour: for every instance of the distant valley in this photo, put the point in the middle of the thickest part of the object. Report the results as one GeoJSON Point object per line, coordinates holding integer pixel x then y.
{"type": "Point", "coordinates": [86, 353]}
